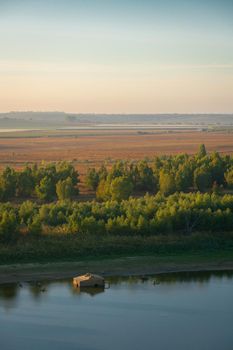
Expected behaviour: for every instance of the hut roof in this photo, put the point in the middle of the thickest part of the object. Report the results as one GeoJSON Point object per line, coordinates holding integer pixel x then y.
{"type": "Point", "coordinates": [88, 280]}
{"type": "Point", "coordinates": [89, 276]}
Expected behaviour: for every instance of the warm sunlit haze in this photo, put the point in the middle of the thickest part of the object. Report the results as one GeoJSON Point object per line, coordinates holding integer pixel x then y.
{"type": "Point", "coordinates": [120, 56]}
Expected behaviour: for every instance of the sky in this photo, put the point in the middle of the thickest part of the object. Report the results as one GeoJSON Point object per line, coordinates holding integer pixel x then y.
{"type": "Point", "coordinates": [116, 56]}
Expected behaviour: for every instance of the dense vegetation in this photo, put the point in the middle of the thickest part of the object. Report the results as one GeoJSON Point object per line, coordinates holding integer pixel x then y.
{"type": "Point", "coordinates": [167, 174]}
{"type": "Point", "coordinates": [149, 215]}
{"type": "Point", "coordinates": [185, 196]}
{"type": "Point", "coordinates": [46, 182]}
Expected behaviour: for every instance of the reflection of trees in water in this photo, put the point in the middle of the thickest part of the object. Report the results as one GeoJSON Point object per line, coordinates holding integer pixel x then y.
{"type": "Point", "coordinates": [200, 277]}
{"type": "Point", "coordinates": [9, 292]}
{"type": "Point", "coordinates": [8, 295]}
{"type": "Point", "coordinates": [124, 279]}
{"type": "Point", "coordinates": [174, 277]}
{"type": "Point", "coordinates": [40, 288]}
{"type": "Point", "coordinates": [36, 289]}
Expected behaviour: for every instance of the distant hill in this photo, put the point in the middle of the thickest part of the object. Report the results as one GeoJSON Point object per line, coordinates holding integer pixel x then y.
{"type": "Point", "coordinates": [62, 119]}
{"type": "Point", "coordinates": [32, 119]}
{"type": "Point", "coordinates": [200, 119]}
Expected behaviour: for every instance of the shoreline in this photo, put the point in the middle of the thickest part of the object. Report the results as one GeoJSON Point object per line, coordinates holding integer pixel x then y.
{"type": "Point", "coordinates": [124, 266]}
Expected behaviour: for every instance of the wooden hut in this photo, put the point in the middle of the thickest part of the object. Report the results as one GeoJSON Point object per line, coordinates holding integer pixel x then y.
{"type": "Point", "coordinates": [88, 280]}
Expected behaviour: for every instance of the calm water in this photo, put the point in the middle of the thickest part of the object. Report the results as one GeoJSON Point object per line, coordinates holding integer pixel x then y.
{"type": "Point", "coordinates": [183, 311]}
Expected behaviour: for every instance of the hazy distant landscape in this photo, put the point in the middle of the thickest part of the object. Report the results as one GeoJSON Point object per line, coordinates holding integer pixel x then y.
{"type": "Point", "coordinates": [60, 120]}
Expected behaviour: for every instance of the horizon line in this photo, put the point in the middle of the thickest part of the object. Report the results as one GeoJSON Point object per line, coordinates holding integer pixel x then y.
{"type": "Point", "coordinates": [117, 113]}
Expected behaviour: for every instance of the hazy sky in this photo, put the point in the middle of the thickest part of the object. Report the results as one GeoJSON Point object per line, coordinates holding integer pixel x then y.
{"type": "Point", "coordinates": [132, 56]}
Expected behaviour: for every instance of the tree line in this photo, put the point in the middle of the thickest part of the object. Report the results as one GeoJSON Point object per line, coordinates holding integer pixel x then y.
{"type": "Point", "coordinates": [167, 174]}
{"type": "Point", "coordinates": [46, 181]}
{"type": "Point", "coordinates": [179, 213]}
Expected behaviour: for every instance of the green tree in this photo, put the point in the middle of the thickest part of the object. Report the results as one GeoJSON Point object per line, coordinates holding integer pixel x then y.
{"type": "Point", "coordinates": [145, 180]}
{"type": "Point", "coordinates": [46, 189]}
{"type": "Point", "coordinates": [121, 188]}
{"type": "Point", "coordinates": [202, 151]}
{"type": "Point", "coordinates": [26, 211]}
{"type": "Point", "coordinates": [183, 178]}
{"type": "Point", "coordinates": [202, 179]}
{"type": "Point", "coordinates": [92, 179]}
{"type": "Point", "coordinates": [103, 190]}
{"type": "Point", "coordinates": [73, 224]}
{"type": "Point", "coordinates": [35, 226]}
{"type": "Point", "coordinates": [103, 173]}
{"type": "Point", "coordinates": [25, 183]}
{"type": "Point", "coordinates": [8, 227]}
{"type": "Point", "coordinates": [217, 168]}
{"type": "Point", "coordinates": [167, 183]}
{"type": "Point", "coordinates": [66, 170]}
{"type": "Point", "coordinates": [8, 181]}
{"type": "Point", "coordinates": [229, 177]}
{"type": "Point", "coordinates": [65, 189]}
{"type": "Point", "coordinates": [118, 170]}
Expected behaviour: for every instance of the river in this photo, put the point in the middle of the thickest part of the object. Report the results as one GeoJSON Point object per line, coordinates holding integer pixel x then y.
{"type": "Point", "coordinates": [184, 311]}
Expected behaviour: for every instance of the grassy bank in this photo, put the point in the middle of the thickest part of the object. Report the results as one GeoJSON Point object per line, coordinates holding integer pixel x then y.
{"type": "Point", "coordinates": [220, 260]}
{"type": "Point", "coordinates": [60, 248]}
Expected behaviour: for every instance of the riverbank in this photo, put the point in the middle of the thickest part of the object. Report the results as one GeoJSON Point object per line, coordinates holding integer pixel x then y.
{"type": "Point", "coordinates": [124, 266]}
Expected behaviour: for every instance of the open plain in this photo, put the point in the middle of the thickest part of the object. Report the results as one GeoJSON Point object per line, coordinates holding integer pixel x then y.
{"type": "Point", "coordinates": [93, 147]}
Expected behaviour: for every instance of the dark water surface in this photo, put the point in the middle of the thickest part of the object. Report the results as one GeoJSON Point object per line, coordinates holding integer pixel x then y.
{"type": "Point", "coordinates": [177, 311]}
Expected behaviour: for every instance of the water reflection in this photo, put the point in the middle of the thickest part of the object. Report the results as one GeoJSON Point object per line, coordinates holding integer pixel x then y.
{"type": "Point", "coordinates": [90, 291]}
{"type": "Point", "coordinates": [9, 292]}
{"type": "Point", "coordinates": [170, 311]}
{"type": "Point", "coordinates": [8, 295]}
{"type": "Point", "coordinates": [174, 277]}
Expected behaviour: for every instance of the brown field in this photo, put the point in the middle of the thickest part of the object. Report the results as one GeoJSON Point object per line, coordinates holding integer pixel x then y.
{"type": "Point", "coordinates": [94, 148]}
